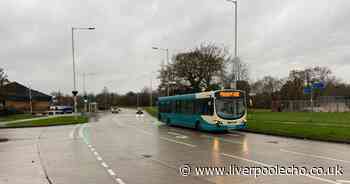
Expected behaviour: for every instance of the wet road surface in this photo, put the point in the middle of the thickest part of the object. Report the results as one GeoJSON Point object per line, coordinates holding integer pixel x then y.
{"type": "Point", "coordinates": [123, 148]}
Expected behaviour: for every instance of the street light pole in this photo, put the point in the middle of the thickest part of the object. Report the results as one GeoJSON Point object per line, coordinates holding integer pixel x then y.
{"type": "Point", "coordinates": [151, 93]}
{"type": "Point", "coordinates": [75, 92]}
{"type": "Point", "coordinates": [167, 60]}
{"type": "Point", "coordinates": [235, 43]}
{"type": "Point", "coordinates": [30, 100]}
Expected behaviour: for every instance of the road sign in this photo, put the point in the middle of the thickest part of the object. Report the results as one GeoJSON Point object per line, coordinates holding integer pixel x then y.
{"type": "Point", "coordinates": [75, 93]}
{"type": "Point", "coordinates": [318, 85]}
{"type": "Point", "coordinates": [307, 90]}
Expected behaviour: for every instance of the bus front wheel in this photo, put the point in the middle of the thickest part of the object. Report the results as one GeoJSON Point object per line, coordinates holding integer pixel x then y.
{"type": "Point", "coordinates": [198, 126]}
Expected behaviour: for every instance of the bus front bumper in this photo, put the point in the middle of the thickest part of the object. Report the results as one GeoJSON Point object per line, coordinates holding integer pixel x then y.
{"type": "Point", "coordinates": [223, 127]}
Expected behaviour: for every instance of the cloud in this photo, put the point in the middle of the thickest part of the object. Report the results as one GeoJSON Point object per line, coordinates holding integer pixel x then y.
{"type": "Point", "coordinates": [274, 37]}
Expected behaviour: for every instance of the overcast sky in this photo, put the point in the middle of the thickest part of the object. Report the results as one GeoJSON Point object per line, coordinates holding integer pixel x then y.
{"type": "Point", "coordinates": [274, 37]}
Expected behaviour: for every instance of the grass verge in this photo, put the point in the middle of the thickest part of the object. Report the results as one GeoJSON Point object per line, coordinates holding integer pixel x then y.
{"type": "Point", "coordinates": [317, 126]}
{"type": "Point", "coordinates": [15, 117]}
{"type": "Point", "coordinates": [62, 120]}
{"type": "Point", "coordinates": [321, 126]}
{"type": "Point", "coordinates": [153, 111]}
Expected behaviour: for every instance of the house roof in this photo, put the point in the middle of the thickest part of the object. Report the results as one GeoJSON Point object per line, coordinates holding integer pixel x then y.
{"type": "Point", "coordinates": [18, 92]}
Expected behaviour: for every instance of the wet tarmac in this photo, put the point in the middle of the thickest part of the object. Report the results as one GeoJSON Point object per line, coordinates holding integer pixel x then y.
{"type": "Point", "coordinates": [128, 149]}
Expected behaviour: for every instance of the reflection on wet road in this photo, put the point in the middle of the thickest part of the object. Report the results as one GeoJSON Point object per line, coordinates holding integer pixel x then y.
{"type": "Point", "coordinates": [125, 148]}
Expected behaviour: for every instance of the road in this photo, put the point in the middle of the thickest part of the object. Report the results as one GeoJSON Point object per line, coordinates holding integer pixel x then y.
{"type": "Point", "coordinates": [126, 149]}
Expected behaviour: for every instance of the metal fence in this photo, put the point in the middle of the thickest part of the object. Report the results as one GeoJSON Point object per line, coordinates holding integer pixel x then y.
{"type": "Point", "coordinates": [320, 105]}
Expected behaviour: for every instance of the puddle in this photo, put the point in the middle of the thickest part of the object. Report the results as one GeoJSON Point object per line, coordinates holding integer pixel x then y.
{"type": "Point", "coordinates": [272, 142]}
{"type": "Point", "coordinates": [146, 156]}
{"type": "Point", "coordinates": [3, 140]}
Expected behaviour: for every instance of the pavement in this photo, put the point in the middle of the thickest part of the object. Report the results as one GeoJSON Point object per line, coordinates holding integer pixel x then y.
{"type": "Point", "coordinates": [128, 149]}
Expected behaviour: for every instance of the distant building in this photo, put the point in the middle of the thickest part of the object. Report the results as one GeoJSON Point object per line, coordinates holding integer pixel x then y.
{"type": "Point", "coordinates": [16, 97]}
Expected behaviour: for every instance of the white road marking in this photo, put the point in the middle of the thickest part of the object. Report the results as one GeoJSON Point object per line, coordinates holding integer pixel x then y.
{"type": "Point", "coordinates": [119, 181]}
{"type": "Point", "coordinates": [163, 138]}
{"type": "Point", "coordinates": [268, 165]}
{"type": "Point", "coordinates": [98, 157]}
{"type": "Point", "coordinates": [111, 172]}
{"type": "Point", "coordinates": [247, 160]}
{"type": "Point", "coordinates": [104, 165]}
{"type": "Point", "coordinates": [315, 156]}
{"type": "Point", "coordinates": [71, 134]}
{"type": "Point", "coordinates": [81, 128]}
{"type": "Point", "coordinates": [234, 135]}
{"type": "Point", "coordinates": [181, 137]}
{"type": "Point", "coordinates": [174, 133]}
{"type": "Point", "coordinates": [178, 142]}
{"type": "Point", "coordinates": [178, 135]}
{"type": "Point", "coordinates": [222, 139]}
{"type": "Point", "coordinates": [343, 181]}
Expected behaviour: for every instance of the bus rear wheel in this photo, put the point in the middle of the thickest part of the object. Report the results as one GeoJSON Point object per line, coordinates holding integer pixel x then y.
{"type": "Point", "coordinates": [168, 121]}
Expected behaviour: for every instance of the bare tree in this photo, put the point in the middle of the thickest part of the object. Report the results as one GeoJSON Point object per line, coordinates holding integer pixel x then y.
{"type": "Point", "coordinates": [199, 66]}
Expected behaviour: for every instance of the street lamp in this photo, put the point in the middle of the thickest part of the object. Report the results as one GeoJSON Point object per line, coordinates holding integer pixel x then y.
{"type": "Point", "coordinates": [75, 92]}
{"type": "Point", "coordinates": [235, 43]}
{"type": "Point", "coordinates": [167, 54]}
{"type": "Point", "coordinates": [234, 86]}
{"type": "Point", "coordinates": [167, 58]}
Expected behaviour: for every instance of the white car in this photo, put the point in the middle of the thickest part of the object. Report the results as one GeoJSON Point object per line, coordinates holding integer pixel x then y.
{"type": "Point", "coordinates": [115, 110]}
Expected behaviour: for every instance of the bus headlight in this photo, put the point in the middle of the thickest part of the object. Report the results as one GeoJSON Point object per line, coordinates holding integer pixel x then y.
{"type": "Point", "coordinates": [218, 123]}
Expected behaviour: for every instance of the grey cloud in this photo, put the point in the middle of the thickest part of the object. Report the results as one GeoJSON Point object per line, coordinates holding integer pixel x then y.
{"type": "Point", "coordinates": [274, 37]}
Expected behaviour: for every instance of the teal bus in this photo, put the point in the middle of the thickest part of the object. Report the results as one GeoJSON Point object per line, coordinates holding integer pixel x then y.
{"type": "Point", "coordinates": [219, 110]}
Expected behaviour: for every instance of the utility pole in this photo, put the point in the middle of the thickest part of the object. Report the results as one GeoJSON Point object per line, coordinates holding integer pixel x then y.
{"type": "Point", "coordinates": [75, 92]}
{"type": "Point", "coordinates": [150, 94]}
{"type": "Point", "coordinates": [162, 67]}
{"type": "Point", "coordinates": [30, 100]}
{"type": "Point", "coordinates": [234, 85]}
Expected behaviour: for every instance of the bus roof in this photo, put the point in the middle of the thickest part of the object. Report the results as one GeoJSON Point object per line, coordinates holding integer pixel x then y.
{"type": "Point", "coordinates": [178, 97]}
{"type": "Point", "coordinates": [191, 96]}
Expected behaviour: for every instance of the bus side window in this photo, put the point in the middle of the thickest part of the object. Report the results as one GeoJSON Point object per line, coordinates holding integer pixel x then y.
{"type": "Point", "coordinates": [198, 106]}
{"type": "Point", "coordinates": [183, 107]}
{"type": "Point", "coordinates": [168, 106]}
{"type": "Point", "coordinates": [178, 106]}
{"type": "Point", "coordinates": [205, 106]}
{"type": "Point", "coordinates": [160, 106]}
{"type": "Point", "coordinates": [173, 106]}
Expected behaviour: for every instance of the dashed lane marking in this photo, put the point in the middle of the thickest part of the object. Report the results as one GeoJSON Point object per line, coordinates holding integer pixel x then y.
{"type": "Point", "coordinates": [111, 172]}
{"type": "Point", "coordinates": [119, 181]}
{"type": "Point", "coordinates": [104, 165]}
{"type": "Point", "coordinates": [98, 157]}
